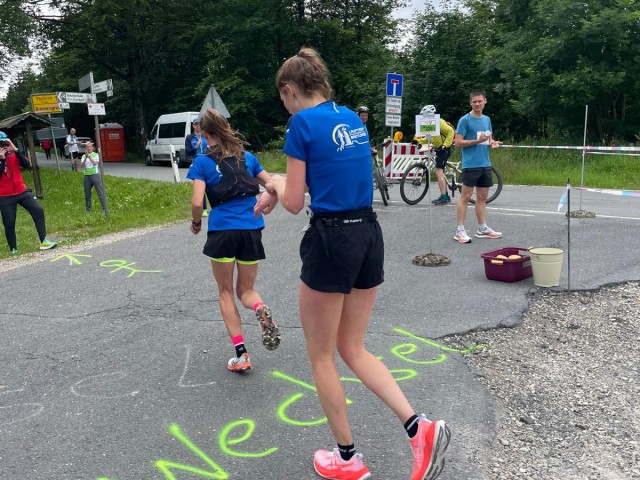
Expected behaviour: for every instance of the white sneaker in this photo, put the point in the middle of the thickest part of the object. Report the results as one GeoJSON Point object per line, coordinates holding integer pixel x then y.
{"type": "Point", "coordinates": [488, 233]}
{"type": "Point", "coordinates": [239, 364]}
{"type": "Point", "coordinates": [462, 237]}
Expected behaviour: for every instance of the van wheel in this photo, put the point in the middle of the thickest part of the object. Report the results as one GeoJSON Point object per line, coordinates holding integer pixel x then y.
{"type": "Point", "coordinates": [147, 159]}
{"type": "Point", "coordinates": [182, 164]}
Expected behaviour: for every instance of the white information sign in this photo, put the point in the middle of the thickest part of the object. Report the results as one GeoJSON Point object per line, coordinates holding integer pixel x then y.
{"type": "Point", "coordinates": [394, 105]}
{"type": "Point", "coordinates": [96, 108]}
{"type": "Point", "coordinates": [75, 97]}
{"type": "Point", "coordinates": [392, 120]}
{"type": "Point", "coordinates": [427, 126]}
{"type": "Point", "coordinates": [103, 86]}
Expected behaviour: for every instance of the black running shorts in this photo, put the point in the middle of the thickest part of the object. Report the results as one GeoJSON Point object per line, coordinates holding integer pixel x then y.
{"type": "Point", "coordinates": [477, 177]}
{"type": "Point", "coordinates": [244, 245]}
{"type": "Point", "coordinates": [336, 259]}
{"type": "Point", "coordinates": [441, 157]}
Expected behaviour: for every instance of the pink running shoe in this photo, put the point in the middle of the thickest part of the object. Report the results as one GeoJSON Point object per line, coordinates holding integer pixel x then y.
{"type": "Point", "coordinates": [429, 446]}
{"type": "Point", "coordinates": [330, 465]}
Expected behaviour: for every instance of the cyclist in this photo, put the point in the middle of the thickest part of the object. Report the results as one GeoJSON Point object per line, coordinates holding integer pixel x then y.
{"type": "Point", "coordinates": [442, 146]}
{"type": "Point", "coordinates": [363, 113]}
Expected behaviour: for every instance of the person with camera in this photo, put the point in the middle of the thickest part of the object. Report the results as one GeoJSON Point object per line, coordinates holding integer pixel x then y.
{"type": "Point", "coordinates": [90, 164]}
{"type": "Point", "coordinates": [14, 192]}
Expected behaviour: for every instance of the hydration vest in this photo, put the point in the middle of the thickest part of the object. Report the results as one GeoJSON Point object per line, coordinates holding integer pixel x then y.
{"type": "Point", "coordinates": [236, 182]}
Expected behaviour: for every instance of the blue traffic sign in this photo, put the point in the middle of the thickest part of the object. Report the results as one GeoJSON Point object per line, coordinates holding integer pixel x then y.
{"type": "Point", "coordinates": [394, 85]}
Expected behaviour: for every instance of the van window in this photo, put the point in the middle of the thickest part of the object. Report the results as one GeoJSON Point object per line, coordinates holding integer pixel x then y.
{"type": "Point", "coordinates": [152, 135]}
{"type": "Point", "coordinates": [172, 130]}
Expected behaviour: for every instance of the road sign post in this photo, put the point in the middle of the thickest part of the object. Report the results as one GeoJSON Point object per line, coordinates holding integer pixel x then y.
{"type": "Point", "coordinates": [393, 107]}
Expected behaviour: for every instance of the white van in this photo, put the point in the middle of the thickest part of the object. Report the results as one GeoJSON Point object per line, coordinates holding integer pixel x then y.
{"type": "Point", "coordinates": [170, 129]}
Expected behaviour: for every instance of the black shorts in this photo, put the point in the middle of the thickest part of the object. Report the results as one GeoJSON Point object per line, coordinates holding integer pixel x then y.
{"type": "Point", "coordinates": [341, 251]}
{"type": "Point", "coordinates": [477, 177]}
{"type": "Point", "coordinates": [229, 245]}
{"type": "Point", "coordinates": [75, 155]}
{"type": "Point", "coordinates": [441, 157]}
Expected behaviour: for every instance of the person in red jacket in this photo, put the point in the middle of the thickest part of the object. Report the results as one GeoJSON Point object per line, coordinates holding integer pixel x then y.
{"type": "Point", "coordinates": [14, 192]}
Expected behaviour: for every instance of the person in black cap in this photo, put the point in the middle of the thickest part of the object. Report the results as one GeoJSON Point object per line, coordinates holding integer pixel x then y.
{"type": "Point", "coordinates": [194, 145]}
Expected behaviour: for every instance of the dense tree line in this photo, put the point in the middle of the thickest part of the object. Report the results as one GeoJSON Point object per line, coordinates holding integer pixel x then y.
{"type": "Point", "coordinates": [540, 61]}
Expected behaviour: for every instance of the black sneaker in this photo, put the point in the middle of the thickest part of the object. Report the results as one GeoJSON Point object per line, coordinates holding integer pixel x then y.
{"type": "Point", "coordinates": [441, 201]}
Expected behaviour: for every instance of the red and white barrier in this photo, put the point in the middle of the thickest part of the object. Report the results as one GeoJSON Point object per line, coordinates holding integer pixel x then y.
{"type": "Point", "coordinates": [398, 156]}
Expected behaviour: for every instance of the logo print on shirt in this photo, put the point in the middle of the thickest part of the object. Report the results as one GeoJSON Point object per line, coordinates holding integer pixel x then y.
{"type": "Point", "coordinates": [344, 136]}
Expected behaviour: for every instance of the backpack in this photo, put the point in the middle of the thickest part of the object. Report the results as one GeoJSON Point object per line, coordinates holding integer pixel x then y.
{"type": "Point", "coordinates": [236, 181]}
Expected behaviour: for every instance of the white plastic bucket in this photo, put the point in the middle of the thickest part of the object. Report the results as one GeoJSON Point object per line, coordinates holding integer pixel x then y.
{"type": "Point", "coordinates": [546, 263]}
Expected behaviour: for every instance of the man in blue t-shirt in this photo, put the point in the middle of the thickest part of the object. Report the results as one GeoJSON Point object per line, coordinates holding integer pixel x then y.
{"type": "Point", "coordinates": [474, 135]}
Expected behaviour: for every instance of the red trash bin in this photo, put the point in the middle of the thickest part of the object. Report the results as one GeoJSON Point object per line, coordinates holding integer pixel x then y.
{"type": "Point", "coordinates": [112, 142]}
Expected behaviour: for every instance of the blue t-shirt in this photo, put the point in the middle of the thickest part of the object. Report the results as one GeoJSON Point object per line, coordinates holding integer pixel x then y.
{"type": "Point", "coordinates": [334, 143]}
{"type": "Point", "coordinates": [470, 128]}
{"type": "Point", "coordinates": [203, 143]}
{"type": "Point", "coordinates": [236, 214]}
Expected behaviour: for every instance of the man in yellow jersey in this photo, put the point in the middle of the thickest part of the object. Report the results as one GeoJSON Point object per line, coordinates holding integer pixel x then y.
{"type": "Point", "coordinates": [442, 146]}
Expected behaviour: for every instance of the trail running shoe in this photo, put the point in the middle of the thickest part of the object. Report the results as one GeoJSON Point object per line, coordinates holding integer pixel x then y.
{"type": "Point", "coordinates": [488, 233]}
{"type": "Point", "coordinates": [47, 244]}
{"type": "Point", "coordinates": [205, 213]}
{"type": "Point", "coordinates": [330, 465]}
{"type": "Point", "coordinates": [462, 237]}
{"type": "Point", "coordinates": [429, 446]}
{"type": "Point", "coordinates": [270, 331]}
{"type": "Point", "coordinates": [239, 364]}
{"type": "Point", "coordinates": [14, 251]}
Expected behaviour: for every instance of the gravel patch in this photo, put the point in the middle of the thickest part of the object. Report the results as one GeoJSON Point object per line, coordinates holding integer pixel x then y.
{"type": "Point", "coordinates": [566, 386]}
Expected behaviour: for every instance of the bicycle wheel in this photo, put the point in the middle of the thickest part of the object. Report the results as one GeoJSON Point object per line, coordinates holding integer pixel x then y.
{"type": "Point", "coordinates": [380, 183]}
{"type": "Point", "coordinates": [497, 186]}
{"type": "Point", "coordinates": [414, 183]}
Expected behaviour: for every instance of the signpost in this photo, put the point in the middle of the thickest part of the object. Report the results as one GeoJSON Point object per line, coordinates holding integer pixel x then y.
{"type": "Point", "coordinates": [104, 86]}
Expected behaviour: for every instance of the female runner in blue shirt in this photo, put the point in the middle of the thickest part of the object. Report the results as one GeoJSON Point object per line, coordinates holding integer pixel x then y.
{"type": "Point", "coordinates": [234, 237]}
{"type": "Point", "coordinates": [342, 253]}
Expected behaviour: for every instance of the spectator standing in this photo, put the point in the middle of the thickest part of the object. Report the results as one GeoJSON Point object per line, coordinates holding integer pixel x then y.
{"type": "Point", "coordinates": [474, 135]}
{"type": "Point", "coordinates": [90, 165]}
{"type": "Point", "coordinates": [73, 147]}
{"type": "Point", "coordinates": [196, 144]}
{"type": "Point", "coordinates": [47, 145]}
{"type": "Point", "coordinates": [14, 192]}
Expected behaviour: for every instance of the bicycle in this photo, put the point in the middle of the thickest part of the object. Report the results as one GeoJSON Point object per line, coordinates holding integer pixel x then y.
{"type": "Point", "coordinates": [414, 183]}
{"type": "Point", "coordinates": [380, 181]}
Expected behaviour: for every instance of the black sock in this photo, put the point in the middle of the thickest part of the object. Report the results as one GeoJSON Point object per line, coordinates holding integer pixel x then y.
{"type": "Point", "coordinates": [346, 451]}
{"type": "Point", "coordinates": [240, 349]}
{"type": "Point", "coordinates": [412, 426]}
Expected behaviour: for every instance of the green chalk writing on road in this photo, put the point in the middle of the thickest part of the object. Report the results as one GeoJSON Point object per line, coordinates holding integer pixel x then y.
{"type": "Point", "coordinates": [122, 264]}
{"type": "Point", "coordinates": [73, 258]}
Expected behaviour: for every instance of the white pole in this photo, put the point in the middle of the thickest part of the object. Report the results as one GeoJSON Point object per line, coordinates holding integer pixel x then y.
{"type": "Point", "coordinates": [174, 164]}
{"type": "Point", "coordinates": [584, 149]}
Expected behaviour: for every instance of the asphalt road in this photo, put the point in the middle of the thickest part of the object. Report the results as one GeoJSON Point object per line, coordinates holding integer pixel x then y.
{"type": "Point", "coordinates": [114, 357]}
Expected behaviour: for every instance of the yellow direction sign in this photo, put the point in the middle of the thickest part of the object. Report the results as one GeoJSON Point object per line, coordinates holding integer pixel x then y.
{"type": "Point", "coordinates": [45, 103]}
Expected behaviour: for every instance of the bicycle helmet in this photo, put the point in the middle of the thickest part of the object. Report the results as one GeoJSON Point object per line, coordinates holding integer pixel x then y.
{"type": "Point", "coordinates": [428, 109]}
{"type": "Point", "coordinates": [362, 109]}
{"type": "Point", "coordinates": [4, 136]}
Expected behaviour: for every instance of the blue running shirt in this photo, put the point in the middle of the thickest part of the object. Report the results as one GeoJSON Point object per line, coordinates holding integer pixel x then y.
{"type": "Point", "coordinates": [236, 214]}
{"type": "Point", "coordinates": [334, 143]}
{"type": "Point", "coordinates": [470, 128]}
